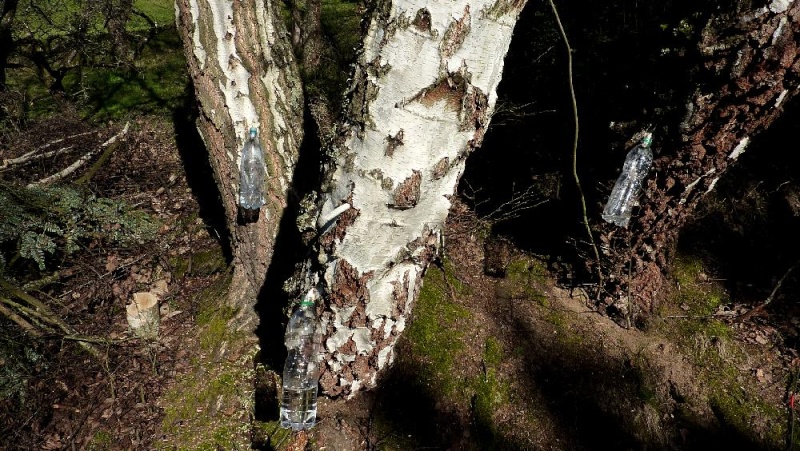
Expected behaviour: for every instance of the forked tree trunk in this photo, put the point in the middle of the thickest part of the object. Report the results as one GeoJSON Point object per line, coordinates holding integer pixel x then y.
{"type": "Point", "coordinates": [245, 76]}
{"type": "Point", "coordinates": [753, 63]}
{"type": "Point", "coordinates": [421, 99]}
{"type": "Point", "coordinates": [422, 95]}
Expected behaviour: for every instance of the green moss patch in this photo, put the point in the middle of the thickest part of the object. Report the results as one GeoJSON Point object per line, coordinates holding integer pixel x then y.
{"type": "Point", "coordinates": [204, 409]}
{"type": "Point", "coordinates": [525, 277]}
{"type": "Point", "coordinates": [433, 334]}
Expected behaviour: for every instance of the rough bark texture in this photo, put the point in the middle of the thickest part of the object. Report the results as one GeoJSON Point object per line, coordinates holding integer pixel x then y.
{"type": "Point", "coordinates": [118, 15]}
{"type": "Point", "coordinates": [753, 68]}
{"type": "Point", "coordinates": [245, 76]}
{"type": "Point", "coordinates": [307, 33]}
{"type": "Point", "coordinates": [421, 98]}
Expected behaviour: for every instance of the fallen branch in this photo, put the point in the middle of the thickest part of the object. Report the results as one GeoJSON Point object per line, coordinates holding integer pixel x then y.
{"type": "Point", "coordinates": [87, 339]}
{"type": "Point", "coordinates": [28, 157]}
{"type": "Point", "coordinates": [85, 178]}
{"type": "Point", "coordinates": [32, 155]}
{"type": "Point", "coordinates": [757, 309]}
{"type": "Point", "coordinates": [20, 321]}
{"type": "Point", "coordinates": [44, 312]}
{"type": "Point", "coordinates": [81, 161]}
{"type": "Point", "coordinates": [41, 283]}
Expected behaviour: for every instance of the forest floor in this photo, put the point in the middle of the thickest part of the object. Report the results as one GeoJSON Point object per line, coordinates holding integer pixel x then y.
{"type": "Point", "coordinates": [510, 360]}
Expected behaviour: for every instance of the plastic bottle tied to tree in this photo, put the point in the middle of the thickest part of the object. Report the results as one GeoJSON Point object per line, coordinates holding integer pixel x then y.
{"type": "Point", "coordinates": [301, 371]}
{"type": "Point", "coordinates": [252, 177]}
{"type": "Point", "coordinates": [634, 171]}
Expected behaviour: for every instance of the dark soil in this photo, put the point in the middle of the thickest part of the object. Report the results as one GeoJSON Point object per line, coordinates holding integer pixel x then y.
{"type": "Point", "coordinates": [72, 400]}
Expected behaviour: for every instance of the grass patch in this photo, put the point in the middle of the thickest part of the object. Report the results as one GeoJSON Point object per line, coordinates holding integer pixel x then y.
{"type": "Point", "coordinates": [711, 347]}
{"type": "Point", "coordinates": [102, 440]}
{"type": "Point", "coordinates": [161, 11]}
{"type": "Point", "coordinates": [694, 292]}
{"type": "Point", "coordinates": [156, 84]}
{"type": "Point", "coordinates": [341, 30]}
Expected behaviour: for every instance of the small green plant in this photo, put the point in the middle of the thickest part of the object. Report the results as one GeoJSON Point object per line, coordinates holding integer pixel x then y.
{"type": "Point", "coordinates": [43, 222]}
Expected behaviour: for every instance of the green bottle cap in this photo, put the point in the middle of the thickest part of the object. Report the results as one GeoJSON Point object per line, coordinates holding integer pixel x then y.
{"type": "Point", "coordinates": [647, 140]}
{"type": "Point", "coordinates": [253, 132]}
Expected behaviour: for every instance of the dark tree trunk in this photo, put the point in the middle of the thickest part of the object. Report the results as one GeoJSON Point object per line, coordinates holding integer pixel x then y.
{"type": "Point", "coordinates": [118, 15]}
{"type": "Point", "coordinates": [752, 67]}
{"type": "Point", "coordinates": [7, 13]}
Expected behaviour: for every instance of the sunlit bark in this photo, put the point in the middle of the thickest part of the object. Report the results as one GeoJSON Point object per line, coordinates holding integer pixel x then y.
{"type": "Point", "coordinates": [245, 76]}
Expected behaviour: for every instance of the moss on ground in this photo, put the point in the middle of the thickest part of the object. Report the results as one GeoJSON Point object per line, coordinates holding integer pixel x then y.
{"type": "Point", "coordinates": [710, 344]}
{"type": "Point", "coordinates": [204, 409]}
{"type": "Point", "coordinates": [102, 440]}
{"type": "Point", "coordinates": [433, 334]}
{"type": "Point", "coordinates": [524, 279]}
{"type": "Point", "coordinates": [695, 292]}
{"type": "Point", "coordinates": [490, 392]}
{"type": "Point", "coordinates": [208, 262]}
{"type": "Point", "coordinates": [436, 339]}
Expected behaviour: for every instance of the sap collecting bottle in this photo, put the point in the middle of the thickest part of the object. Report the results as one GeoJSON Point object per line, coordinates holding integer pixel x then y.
{"type": "Point", "coordinates": [634, 171]}
{"type": "Point", "coordinates": [301, 371]}
{"type": "Point", "coordinates": [251, 171]}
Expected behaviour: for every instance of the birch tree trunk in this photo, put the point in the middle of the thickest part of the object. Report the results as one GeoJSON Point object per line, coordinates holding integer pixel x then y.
{"type": "Point", "coordinates": [752, 64]}
{"type": "Point", "coordinates": [245, 75]}
{"type": "Point", "coordinates": [421, 98]}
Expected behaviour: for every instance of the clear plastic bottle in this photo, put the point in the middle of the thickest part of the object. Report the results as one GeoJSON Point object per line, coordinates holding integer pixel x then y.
{"type": "Point", "coordinates": [252, 178]}
{"type": "Point", "coordinates": [634, 171]}
{"type": "Point", "coordinates": [301, 372]}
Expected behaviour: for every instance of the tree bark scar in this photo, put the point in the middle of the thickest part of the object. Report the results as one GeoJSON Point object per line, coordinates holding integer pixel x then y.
{"type": "Point", "coordinates": [349, 288]}
{"type": "Point", "coordinates": [400, 295]}
{"type": "Point", "coordinates": [422, 20]}
{"type": "Point", "coordinates": [441, 168]}
{"type": "Point", "coordinates": [455, 35]}
{"type": "Point", "coordinates": [406, 195]}
{"type": "Point", "coordinates": [393, 142]}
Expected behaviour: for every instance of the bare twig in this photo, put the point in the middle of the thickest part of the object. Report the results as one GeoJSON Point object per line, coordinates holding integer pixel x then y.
{"type": "Point", "coordinates": [87, 339]}
{"type": "Point", "coordinates": [771, 297]}
{"type": "Point", "coordinates": [45, 312]}
{"type": "Point", "coordinates": [80, 161]}
{"type": "Point", "coordinates": [575, 146]}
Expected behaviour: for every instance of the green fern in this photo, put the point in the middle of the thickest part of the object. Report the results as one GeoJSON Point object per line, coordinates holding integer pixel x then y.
{"type": "Point", "coordinates": [40, 222]}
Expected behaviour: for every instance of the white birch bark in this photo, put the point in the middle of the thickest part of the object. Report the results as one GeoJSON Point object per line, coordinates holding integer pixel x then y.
{"type": "Point", "coordinates": [245, 76]}
{"type": "Point", "coordinates": [422, 96]}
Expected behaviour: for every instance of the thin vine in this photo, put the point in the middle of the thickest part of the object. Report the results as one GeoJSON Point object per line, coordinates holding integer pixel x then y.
{"type": "Point", "coordinates": [575, 147]}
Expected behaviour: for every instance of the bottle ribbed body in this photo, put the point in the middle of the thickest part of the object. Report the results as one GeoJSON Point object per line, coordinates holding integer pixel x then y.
{"type": "Point", "coordinates": [252, 176]}
{"type": "Point", "coordinates": [301, 371]}
{"type": "Point", "coordinates": [626, 189]}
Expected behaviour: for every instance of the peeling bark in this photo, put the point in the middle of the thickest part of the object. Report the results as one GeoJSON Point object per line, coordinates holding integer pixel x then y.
{"type": "Point", "coordinates": [423, 92]}
{"type": "Point", "coordinates": [753, 61]}
{"type": "Point", "coordinates": [245, 76]}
